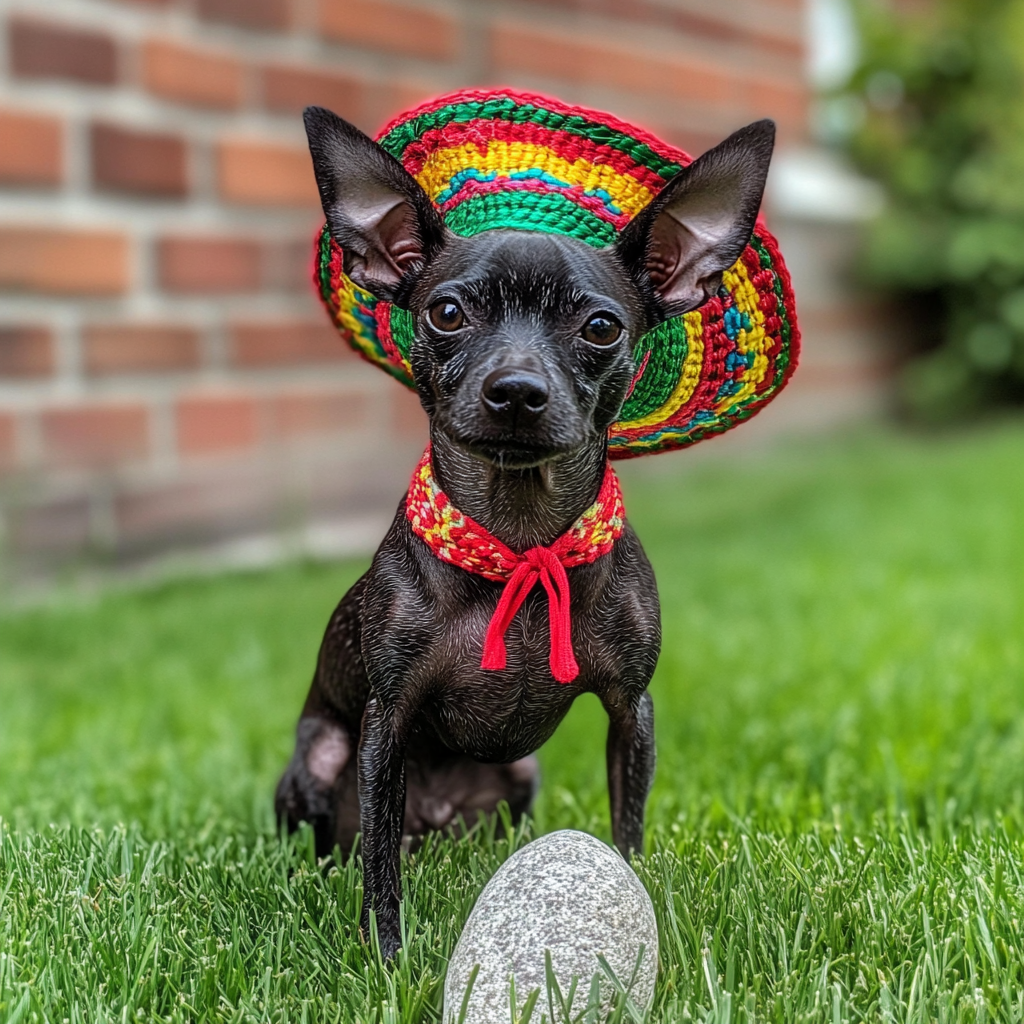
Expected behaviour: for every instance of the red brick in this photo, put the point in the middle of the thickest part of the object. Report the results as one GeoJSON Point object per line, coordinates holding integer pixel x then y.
{"type": "Point", "coordinates": [313, 341]}
{"type": "Point", "coordinates": [690, 140]}
{"type": "Point", "coordinates": [217, 423]}
{"type": "Point", "coordinates": [64, 262]}
{"type": "Point", "coordinates": [407, 416]}
{"type": "Point", "coordinates": [209, 265]}
{"type": "Point", "coordinates": [288, 265]}
{"type": "Point", "coordinates": [575, 57]}
{"type": "Point", "coordinates": [139, 348]}
{"type": "Point", "coordinates": [309, 412]}
{"type": "Point", "coordinates": [412, 31]}
{"type": "Point", "coordinates": [32, 151]}
{"type": "Point", "coordinates": [26, 352]}
{"type": "Point", "coordinates": [289, 89]}
{"type": "Point", "coordinates": [147, 163]}
{"type": "Point", "coordinates": [264, 174]}
{"type": "Point", "coordinates": [40, 49]}
{"type": "Point", "coordinates": [94, 435]}
{"type": "Point", "coordinates": [269, 15]}
{"type": "Point", "coordinates": [8, 442]}
{"type": "Point", "coordinates": [196, 77]}
{"type": "Point", "coordinates": [393, 97]}
{"type": "Point", "coordinates": [578, 58]}
{"type": "Point", "coordinates": [787, 102]}
{"type": "Point", "coordinates": [724, 25]}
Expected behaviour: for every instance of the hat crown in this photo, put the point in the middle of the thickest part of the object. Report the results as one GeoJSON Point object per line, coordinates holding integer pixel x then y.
{"type": "Point", "coordinates": [510, 160]}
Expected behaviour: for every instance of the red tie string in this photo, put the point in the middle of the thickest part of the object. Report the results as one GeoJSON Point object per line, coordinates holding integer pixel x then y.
{"type": "Point", "coordinates": [536, 564]}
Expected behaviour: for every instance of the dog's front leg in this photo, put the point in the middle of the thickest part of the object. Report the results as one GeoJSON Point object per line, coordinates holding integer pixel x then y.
{"type": "Point", "coordinates": [381, 811]}
{"type": "Point", "coordinates": [630, 753]}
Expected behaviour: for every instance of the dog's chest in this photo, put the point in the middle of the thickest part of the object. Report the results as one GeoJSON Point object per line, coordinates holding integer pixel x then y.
{"type": "Point", "coordinates": [424, 627]}
{"type": "Point", "coordinates": [501, 715]}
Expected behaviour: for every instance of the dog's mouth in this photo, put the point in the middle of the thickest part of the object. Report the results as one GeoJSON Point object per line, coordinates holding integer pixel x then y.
{"type": "Point", "coordinates": [513, 452]}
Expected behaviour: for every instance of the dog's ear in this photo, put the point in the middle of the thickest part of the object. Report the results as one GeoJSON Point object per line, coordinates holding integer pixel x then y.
{"type": "Point", "coordinates": [700, 222]}
{"type": "Point", "coordinates": [384, 222]}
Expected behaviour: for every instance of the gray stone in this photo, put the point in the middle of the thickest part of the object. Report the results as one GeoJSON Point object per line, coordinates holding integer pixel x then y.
{"type": "Point", "coordinates": [568, 893]}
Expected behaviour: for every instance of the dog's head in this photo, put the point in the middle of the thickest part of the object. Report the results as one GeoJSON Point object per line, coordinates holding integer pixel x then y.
{"type": "Point", "coordinates": [523, 339]}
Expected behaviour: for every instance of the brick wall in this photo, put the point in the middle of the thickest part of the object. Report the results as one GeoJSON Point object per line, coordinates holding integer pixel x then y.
{"type": "Point", "coordinates": [166, 376]}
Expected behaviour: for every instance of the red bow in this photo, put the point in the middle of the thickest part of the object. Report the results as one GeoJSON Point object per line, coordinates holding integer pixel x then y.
{"type": "Point", "coordinates": [536, 564]}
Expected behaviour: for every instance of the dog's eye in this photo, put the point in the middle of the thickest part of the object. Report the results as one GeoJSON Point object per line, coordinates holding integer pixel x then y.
{"type": "Point", "coordinates": [602, 329]}
{"type": "Point", "coordinates": [446, 316]}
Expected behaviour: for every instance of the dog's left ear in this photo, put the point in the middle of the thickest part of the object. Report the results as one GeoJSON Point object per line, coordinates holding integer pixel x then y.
{"type": "Point", "coordinates": [384, 222]}
{"type": "Point", "coordinates": [700, 222]}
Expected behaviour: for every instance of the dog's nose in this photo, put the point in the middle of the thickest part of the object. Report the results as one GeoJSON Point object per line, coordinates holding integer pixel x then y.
{"type": "Point", "coordinates": [515, 392]}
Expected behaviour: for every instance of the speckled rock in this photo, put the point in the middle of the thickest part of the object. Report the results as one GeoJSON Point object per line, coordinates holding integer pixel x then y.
{"type": "Point", "coordinates": [566, 892]}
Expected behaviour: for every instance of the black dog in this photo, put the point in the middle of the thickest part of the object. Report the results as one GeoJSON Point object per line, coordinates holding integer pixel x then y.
{"type": "Point", "coordinates": [522, 359]}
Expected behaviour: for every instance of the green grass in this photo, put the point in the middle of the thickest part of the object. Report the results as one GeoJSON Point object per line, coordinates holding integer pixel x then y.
{"type": "Point", "coordinates": [836, 831]}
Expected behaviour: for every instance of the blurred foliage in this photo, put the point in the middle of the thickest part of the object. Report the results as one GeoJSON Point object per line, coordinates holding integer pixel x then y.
{"type": "Point", "coordinates": [935, 111]}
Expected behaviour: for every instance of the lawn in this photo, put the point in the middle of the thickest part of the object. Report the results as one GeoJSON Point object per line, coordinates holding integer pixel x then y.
{"type": "Point", "coordinates": [836, 831]}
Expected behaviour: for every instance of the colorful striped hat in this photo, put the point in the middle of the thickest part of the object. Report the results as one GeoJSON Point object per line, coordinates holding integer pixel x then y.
{"type": "Point", "coordinates": [502, 159]}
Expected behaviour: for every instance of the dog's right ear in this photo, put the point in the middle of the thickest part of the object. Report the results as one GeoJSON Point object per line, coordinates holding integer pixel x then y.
{"type": "Point", "coordinates": [681, 243]}
{"type": "Point", "coordinates": [384, 222]}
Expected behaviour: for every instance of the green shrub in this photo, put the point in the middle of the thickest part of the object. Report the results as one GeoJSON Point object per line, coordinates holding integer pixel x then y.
{"type": "Point", "coordinates": [938, 118]}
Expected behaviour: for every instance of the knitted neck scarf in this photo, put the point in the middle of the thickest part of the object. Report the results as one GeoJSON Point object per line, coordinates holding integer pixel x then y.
{"type": "Point", "coordinates": [456, 538]}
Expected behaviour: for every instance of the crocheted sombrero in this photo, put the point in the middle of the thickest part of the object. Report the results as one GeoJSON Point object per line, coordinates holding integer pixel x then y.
{"type": "Point", "coordinates": [502, 159]}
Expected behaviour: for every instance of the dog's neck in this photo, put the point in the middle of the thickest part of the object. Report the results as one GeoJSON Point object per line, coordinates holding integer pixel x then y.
{"type": "Point", "coordinates": [523, 508]}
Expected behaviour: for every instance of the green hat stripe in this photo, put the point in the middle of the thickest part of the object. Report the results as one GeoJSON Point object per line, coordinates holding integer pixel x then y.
{"type": "Point", "coordinates": [324, 265]}
{"type": "Point", "coordinates": [666, 349]}
{"type": "Point", "coordinates": [529, 211]}
{"type": "Point", "coordinates": [786, 330]}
